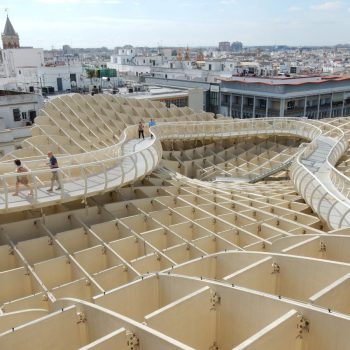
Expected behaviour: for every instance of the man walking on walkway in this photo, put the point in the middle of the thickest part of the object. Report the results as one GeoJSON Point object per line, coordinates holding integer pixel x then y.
{"type": "Point", "coordinates": [54, 165]}
{"type": "Point", "coordinates": [150, 124]}
{"type": "Point", "coordinates": [141, 130]}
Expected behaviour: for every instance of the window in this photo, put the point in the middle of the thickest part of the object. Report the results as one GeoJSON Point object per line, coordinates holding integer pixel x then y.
{"type": "Point", "coordinates": [32, 115]}
{"type": "Point", "coordinates": [290, 104]}
{"type": "Point", "coordinates": [16, 115]}
{"type": "Point", "coordinates": [225, 99]}
{"type": "Point", "coordinates": [262, 104]}
{"type": "Point", "coordinates": [73, 77]}
{"type": "Point", "coordinates": [24, 115]}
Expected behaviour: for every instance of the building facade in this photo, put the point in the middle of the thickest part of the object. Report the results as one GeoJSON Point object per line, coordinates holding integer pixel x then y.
{"type": "Point", "coordinates": [18, 108]}
{"type": "Point", "coordinates": [224, 46]}
{"type": "Point", "coordinates": [236, 46]}
{"type": "Point", "coordinates": [17, 111]}
{"type": "Point", "coordinates": [211, 91]}
{"type": "Point", "coordinates": [310, 97]}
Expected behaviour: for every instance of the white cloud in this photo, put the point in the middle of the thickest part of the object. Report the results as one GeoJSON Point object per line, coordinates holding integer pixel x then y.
{"type": "Point", "coordinates": [294, 9]}
{"type": "Point", "coordinates": [228, 2]}
{"type": "Point", "coordinates": [330, 5]}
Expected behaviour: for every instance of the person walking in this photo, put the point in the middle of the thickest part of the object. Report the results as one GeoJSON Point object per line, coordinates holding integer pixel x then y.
{"type": "Point", "coordinates": [54, 165]}
{"type": "Point", "coordinates": [141, 130]}
{"type": "Point", "coordinates": [22, 179]}
{"type": "Point", "coordinates": [150, 124]}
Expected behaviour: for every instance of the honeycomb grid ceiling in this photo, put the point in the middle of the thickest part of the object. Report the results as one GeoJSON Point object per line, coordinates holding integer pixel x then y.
{"type": "Point", "coordinates": [173, 261]}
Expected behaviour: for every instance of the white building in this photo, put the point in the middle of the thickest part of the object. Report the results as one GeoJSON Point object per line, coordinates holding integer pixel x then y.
{"type": "Point", "coordinates": [17, 111]}
{"type": "Point", "coordinates": [18, 108]}
{"type": "Point", "coordinates": [61, 78]}
{"type": "Point", "coordinates": [123, 56]}
{"type": "Point", "coordinates": [20, 57]}
{"type": "Point", "coordinates": [23, 69]}
{"type": "Point", "coordinates": [130, 69]}
{"type": "Point", "coordinates": [128, 60]}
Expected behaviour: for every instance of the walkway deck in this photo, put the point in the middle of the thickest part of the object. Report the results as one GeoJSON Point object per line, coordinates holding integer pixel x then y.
{"type": "Point", "coordinates": [139, 157]}
{"type": "Point", "coordinates": [313, 174]}
{"type": "Point", "coordinates": [317, 187]}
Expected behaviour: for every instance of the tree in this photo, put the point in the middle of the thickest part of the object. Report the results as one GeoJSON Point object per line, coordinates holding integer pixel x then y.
{"type": "Point", "coordinates": [91, 73]}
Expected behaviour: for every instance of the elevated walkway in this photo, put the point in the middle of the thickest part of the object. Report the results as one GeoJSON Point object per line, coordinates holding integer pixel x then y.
{"type": "Point", "coordinates": [316, 179]}
{"type": "Point", "coordinates": [138, 158]}
{"type": "Point", "coordinates": [313, 172]}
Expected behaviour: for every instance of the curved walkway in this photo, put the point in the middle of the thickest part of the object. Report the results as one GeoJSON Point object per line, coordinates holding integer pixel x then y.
{"type": "Point", "coordinates": [322, 186]}
{"type": "Point", "coordinates": [138, 159]}
{"type": "Point", "coordinates": [313, 172]}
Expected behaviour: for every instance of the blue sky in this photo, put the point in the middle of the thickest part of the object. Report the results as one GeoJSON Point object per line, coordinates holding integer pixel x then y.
{"type": "Point", "coordinates": [96, 23]}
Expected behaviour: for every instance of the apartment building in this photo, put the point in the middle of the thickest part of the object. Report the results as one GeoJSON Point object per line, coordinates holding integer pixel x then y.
{"type": "Point", "coordinates": [224, 46]}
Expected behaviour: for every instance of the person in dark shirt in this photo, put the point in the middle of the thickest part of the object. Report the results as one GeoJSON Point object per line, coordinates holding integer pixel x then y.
{"type": "Point", "coordinates": [54, 165]}
{"type": "Point", "coordinates": [141, 130]}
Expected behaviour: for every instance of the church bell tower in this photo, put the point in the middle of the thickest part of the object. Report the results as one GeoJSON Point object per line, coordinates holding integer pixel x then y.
{"type": "Point", "coordinates": [10, 39]}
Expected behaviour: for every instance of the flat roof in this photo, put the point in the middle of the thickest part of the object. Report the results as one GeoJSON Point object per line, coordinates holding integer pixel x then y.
{"type": "Point", "coordinates": [13, 92]}
{"type": "Point", "coordinates": [277, 81]}
{"type": "Point", "coordinates": [158, 92]}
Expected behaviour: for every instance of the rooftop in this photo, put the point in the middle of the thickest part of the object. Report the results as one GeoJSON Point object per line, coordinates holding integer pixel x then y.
{"type": "Point", "coordinates": [283, 80]}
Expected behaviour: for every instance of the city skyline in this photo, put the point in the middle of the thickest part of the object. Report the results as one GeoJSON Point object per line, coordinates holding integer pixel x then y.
{"type": "Point", "coordinates": [95, 23]}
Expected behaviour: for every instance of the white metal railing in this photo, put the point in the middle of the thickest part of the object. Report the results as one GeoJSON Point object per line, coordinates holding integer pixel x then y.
{"type": "Point", "coordinates": [102, 170]}
{"type": "Point", "coordinates": [330, 206]}
{"type": "Point", "coordinates": [94, 172]}
{"type": "Point", "coordinates": [72, 159]}
{"type": "Point", "coordinates": [83, 175]}
{"type": "Point", "coordinates": [341, 182]}
{"type": "Point", "coordinates": [98, 171]}
{"type": "Point", "coordinates": [327, 204]}
{"type": "Point", "coordinates": [237, 128]}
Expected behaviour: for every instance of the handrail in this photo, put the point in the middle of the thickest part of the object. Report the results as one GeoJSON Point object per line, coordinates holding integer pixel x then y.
{"type": "Point", "coordinates": [88, 165]}
{"type": "Point", "coordinates": [316, 188]}
{"type": "Point", "coordinates": [334, 216]}
{"type": "Point", "coordinates": [75, 158]}
{"type": "Point", "coordinates": [272, 171]}
{"type": "Point", "coordinates": [334, 155]}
